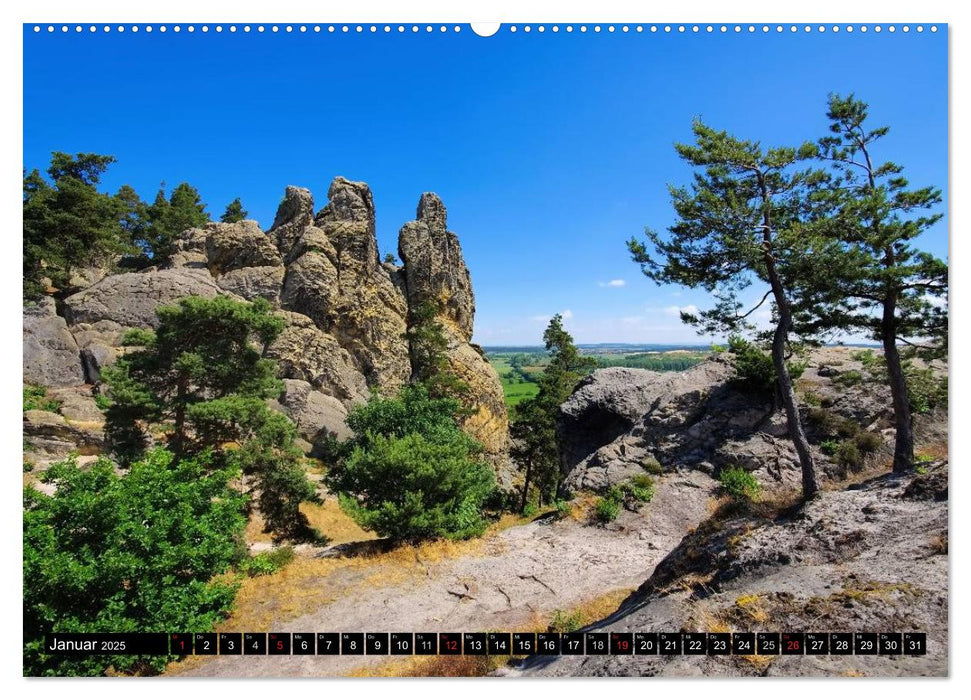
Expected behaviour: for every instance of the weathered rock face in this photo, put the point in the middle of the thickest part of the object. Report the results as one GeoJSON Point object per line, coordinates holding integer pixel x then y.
{"type": "Point", "coordinates": [318, 417]}
{"type": "Point", "coordinates": [856, 560]}
{"type": "Point", "coordinates": [435, 270]}
{"type": "Point", "coordinates": [346, 311]}
{"type": "Point", "coordinates": [435, 273]}
{"type": "Point", "coordinates": [618, 418]}
{"type": "Point", "coordinates": [252, 283]}
{"type": "Point", "coordinates": [51, 355]}
{"type": "Point", "coordinates": [130, 299]}
{"type": "Point", "coordinates": [335, 279]}
{"type": "Point", "coordinates": [294, 216]}
{"type": "Point", "coordinates": [234, 246]}
{"type": "Point", "coordinates": [304, 352]}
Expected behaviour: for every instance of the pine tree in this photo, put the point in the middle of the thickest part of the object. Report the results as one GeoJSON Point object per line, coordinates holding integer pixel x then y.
{"type": "Point", "coordinates": [900, 292]}
{"type": "Point", "coordinates": [68, 223]}
{"type": "Point", "coordinates": [748, 218]}
{"type": "Point", "coordinates": [200, 377]}
{"type": "Point", "coordinates": [234, 212]}
{"type": "Point", "coordinates": [535, 445]}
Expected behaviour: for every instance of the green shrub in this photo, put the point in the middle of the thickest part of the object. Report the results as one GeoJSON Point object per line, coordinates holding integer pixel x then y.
{"type": "Point", "coordinates": [849, 378]}
{"type": "Point", "coordinates": [739, 484]}
{"type": "Point", "coordinates": [410, 473]}
{"type": "Point", "coordinates": [640, 488]}
{"type": "Point", "coordinates": [143, 551]}
{"type": "Point", "coordinates": [652, 466]}
{"type": "Point", "coordinates": [565, 622]}
{"type": "Point", "coordinates": [35, 399]}
{"type": "Point", "coordinates": [848, 455]}
{"type": "Point", "coordinates": [138, 337]}
{"type": "Point", "coordinates": [867, 442]}
{"type": "Point", "coordinates": [530, 510]}
{"type": "Point", "coordinates": [754, 367]}
{"type": "Point", "coordinates": [102, 401]}
{"type": "Point", "coordinates": [811, 398]}
{"type": "Point", "coordinates": [563, 509]}
{"type": "Point", "coordinates": [824, 421]}
{"type": "Point", "coordinates": [829, 447]}
{"type": "Point", "coordinates": [607, 509]}
{"type": "Point", "coordinates": [847, 428]}
{"type": "Point", "coordinates": [268, 562]}
{"type": "Point", "coordinates": [925, 391]}
{"type": "Point", "coordinates": [868, 358]}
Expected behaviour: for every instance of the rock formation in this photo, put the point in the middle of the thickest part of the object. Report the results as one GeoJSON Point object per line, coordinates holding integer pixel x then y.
{"type": "Point", "coordinates": [335, 278]}
{"type": "Point", "coordinates": [435, 272]}
{"type": "Point", "coordinates": [870, 557]}
{"type": "Point", "coordinates": [346, 312]}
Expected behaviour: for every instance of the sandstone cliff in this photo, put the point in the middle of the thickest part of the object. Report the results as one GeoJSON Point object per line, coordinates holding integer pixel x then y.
{"type": "Point", "coordinates": [346, 312]}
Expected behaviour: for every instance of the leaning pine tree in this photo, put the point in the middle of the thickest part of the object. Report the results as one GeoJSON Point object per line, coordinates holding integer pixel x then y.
{"type": "Point", "coordinates": [746, 219]}
{"type": "Point", "coordinates": [898, 292]}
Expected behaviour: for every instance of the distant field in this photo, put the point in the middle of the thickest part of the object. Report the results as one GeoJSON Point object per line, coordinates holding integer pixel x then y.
{"type": "Point", "coordinates": [520, 368]}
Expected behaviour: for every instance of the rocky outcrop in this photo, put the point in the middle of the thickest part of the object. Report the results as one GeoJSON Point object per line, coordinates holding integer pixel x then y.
{"type": "Point", "coordinates": [619, 419]}
{"type": "Point", "coordinates": [869, 558]}
{"type": "Point", "coordinates": [51, 355]}
{"type": "Point", "coordinates": [293, 217]}
{"type": "Point", "coordinates": [346, 311]}
{"type": "Point", "coordinates": [304, 352]}
{"type": "Point", "coordinates": [336, 279]}
{"type": "Point", "coordinates": [435, 274]}
{"type": "Point", "coordinates": [252, 283]}
{"type": "Point", "coordinates": [52, 436]}
{"type": "Point", "coordinates": [234, 246]}
{"type": "Point", "coordinates": [318, 416]}
{"type": "Point", "coordinates": [435, 270]}
{"type": "Point", "coordinates": [130, 299]}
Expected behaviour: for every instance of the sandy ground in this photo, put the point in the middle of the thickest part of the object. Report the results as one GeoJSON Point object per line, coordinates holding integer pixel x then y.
{"type": "Point", "coordinates": [517, 575]}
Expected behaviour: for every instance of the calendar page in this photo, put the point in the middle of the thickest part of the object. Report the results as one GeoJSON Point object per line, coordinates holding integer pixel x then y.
{"type": "Point", "coordinates": [524, 349]}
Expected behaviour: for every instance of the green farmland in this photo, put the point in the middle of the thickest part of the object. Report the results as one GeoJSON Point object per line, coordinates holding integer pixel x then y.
{"type": "Point", "coordinates": [520, 368]}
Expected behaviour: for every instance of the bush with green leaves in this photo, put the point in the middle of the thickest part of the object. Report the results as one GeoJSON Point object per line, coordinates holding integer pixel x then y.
{"type": "Point", "coordinates": [754, 368]}
{"type": "Point", "coordinates": [848, 455]}
{"type": "Point", "coordinates": [640, 488]}
{"type": "Point", "coordinates": [925, 390]}
{"type": "Point", "coordinates": [652, 466]}
{"type": "Point", "coordinates": [607, 509]}
{"type": "Point", "coordinates": [867, 442]}
{"type": "Point", "coordinates": [268, 562]}
{"type": "Point", "coordinates": [35, 399]}
{"type": "Point", "coordinates": [409, 472]}
{"type": "Point", "coordinates": [142, 552]}
{"type": "Point", "coordinates": [739, 484]}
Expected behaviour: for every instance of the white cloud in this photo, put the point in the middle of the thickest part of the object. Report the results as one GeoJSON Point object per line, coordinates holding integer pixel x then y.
{"type": "Point", "coordinates": [566, 314]}
{"type": "Point", "coordinates": [613, 283]}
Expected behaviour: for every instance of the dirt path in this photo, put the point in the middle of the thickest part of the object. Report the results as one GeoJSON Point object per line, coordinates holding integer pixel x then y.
{"type": "Point", "coordinates": [520, 575]}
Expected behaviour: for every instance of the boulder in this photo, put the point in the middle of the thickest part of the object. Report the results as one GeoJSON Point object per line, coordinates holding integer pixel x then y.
{"type": "Point", "coordinates": [51, 355]}
{"type": "Point", "coordinates": [338, 282]}
{"type": "Point", "coordinates": [100, 344]}
{"type": "Point", "coordinates": [77, 405]}
{"type": "Point", "coordinates": [130, 299]}
{"type": "Point", "coordinates": [233, 246]}
{"type": "Point", "coordinates": [617, 418]}
{"type": "Point", "coordinates": [318, 417]}
{"type": "Point", "coordinates": [304, 352]}
{"type": "Point", "coordinates": [255, 283]}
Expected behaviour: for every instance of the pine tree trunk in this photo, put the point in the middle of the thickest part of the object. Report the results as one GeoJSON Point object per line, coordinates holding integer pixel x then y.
{"type": "Point", "coordinates": [903, 450]}
{"type": "Point", "coordinates": [529, 470]}
{"type": "Point", "coordinates": [810, 484]}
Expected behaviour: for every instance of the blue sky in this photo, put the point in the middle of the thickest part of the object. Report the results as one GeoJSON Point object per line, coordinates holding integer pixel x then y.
{"type": "Point", "coordinates": [549, 150]}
